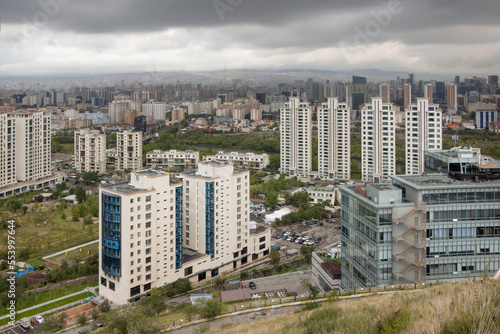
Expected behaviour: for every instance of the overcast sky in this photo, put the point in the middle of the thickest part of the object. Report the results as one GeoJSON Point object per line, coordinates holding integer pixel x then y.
{"type": "Point", "coordinates": [51, 37]}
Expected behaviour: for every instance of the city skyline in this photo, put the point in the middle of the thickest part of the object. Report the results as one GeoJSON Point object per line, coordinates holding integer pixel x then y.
{"type": "Point", "coordinates": [63, 37]}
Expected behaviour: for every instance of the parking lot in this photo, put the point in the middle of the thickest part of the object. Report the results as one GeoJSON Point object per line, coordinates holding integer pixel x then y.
{"type": "Point", "coordinates": [19, 330]}
{"type": "Point", "coordinates": [328, 232]}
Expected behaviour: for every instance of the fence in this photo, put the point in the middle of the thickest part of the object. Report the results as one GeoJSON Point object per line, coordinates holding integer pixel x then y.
{"type": "Point", "coordinates": [262, 304]}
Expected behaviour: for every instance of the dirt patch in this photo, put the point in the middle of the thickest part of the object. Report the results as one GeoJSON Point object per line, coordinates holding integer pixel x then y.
{"type": "Point", "coordinates": [34, 278]}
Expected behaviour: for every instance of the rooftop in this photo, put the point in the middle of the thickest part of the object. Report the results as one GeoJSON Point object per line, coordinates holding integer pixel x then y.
{"type": "Point", "coordinates": [430, 181]}
{"type": "Point", "coordinates": [259, 229]}
{"type": "Point", "coordinates": [122, 187]}
{"type": "Point", "coordinates": [150, 172]}
{"type": "Point", "coordinates": [189, 255]}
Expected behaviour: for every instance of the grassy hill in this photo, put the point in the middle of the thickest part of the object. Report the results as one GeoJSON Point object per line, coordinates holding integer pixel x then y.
{"type": "Point", "coordinates": [451, 308]}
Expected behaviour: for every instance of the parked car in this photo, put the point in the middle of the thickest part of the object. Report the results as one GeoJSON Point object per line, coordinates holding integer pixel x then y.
{"type": "Point", "coordinates": [252, 285]}
{"type": "Point", "coordinates": [317, 240]}
{"type": "Point", "coordinates": [286, 233]}
{"type": "Point", "coordinates": [39, 319]}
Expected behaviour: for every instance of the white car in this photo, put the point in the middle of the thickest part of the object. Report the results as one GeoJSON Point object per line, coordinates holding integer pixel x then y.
{"type": "Point", "coordinates": [39, 319]}
{"type": "Point", "coordinates": [305, 237]}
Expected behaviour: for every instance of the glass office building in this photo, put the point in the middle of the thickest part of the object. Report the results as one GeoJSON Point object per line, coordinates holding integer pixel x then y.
{"type": "Point", "coordinates": [419, 228]}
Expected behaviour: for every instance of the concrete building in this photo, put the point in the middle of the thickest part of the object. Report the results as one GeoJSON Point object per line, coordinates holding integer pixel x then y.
{"type": "Point", "coordinates": [200, 230]}
{"type": "Point", "coordinates": [128, 150]}
{"type": "Point", "coordinates": [385, 93]}
{"type": "Point", "coordinates": [423, 132]}
{"type": "Point", "coordinates": [429, 93]}
{"type": "Point", "coordinates": [117, 110]}
{"type": "Point", "coordinates": [158, 159]}
{"type": "Point", "coordinates": [407, 95]}
{"type": "Point", "coordinates": [154, 111]}
{"type": "Point", "coordinates": [378, 148]}
{"type": "Point", "coordinates": [334, 140]}
{"type": "Point", "coordinates": [90, 151]}
{"type": "Point", "coordinates": [419, 229]}
{"type": "Point", "coordinates": [24, 147]}
{"type": "Point", "coordinates": [178, 114]}
{"type": "Point", "coordinates": [255, 114]}
{"type": "Point", "coordinates": [484, 117]}
{"type": "Point", "coordinates": [239, 159]}
{"type": "Point", "coordinates": [322, 194]}
{"type": "Point", "coordinates": [451, 99]}
{"type": "Point", "coordinates": [296, 141]}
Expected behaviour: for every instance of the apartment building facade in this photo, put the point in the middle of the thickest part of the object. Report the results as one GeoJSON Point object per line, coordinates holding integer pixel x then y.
{"type": "Point", "coordinates": [158, 159]}
{"type": "Point", "coordinates": [296, 141]}
{"type": "Point", "coordinates": [378, 147]}
{"type": "Point", "coordinates": [334, 140]}
{"type": "Point", "coordinates": [423, 132]}
{"type": "Point", "coordinates": [90, 151]}
{"type": "Point", "coordinates": [155, 230]}
{"type": "Point", "coordinates": [128, 150]}
{"type": "Point", "coordinates": [247, 160]}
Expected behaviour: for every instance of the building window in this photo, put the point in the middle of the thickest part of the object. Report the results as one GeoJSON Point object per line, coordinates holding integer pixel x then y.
{"type": "Point", "coordinates": [103, 281]}
{"type": "Point", "coordinates": [111, 286]}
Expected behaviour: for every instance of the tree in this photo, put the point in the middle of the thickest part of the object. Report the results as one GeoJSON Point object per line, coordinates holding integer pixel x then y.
{"type": "Point", "coordinates": [219, 282]}
{"type": "Point", "coordinates": [87, 220]}
{"type": "Point", "coordinates": [90, 177]}
{"type": "Point", "coordinates": [314, 290]}
{"type": "Point", "coordinates": [244, 275]}
{"type": "Point", "coordinates": [50, 326]}
{"type": "Point", "coordinates": [105, 307]}
{"type": "Point", "coordinates": [39, 198]}
{"type": "Point", "coordinates": [211, 309]}
{"type": "Point", "coordinates": [272, 200]}
{"type": "Point", "coordinates": [80, 194]}
{"type": "Point", "coordinates": [306, 251]}
{"type": "Point", "coordinates": [82, 319]}
{"type": "Point", "coordinates": [61, 319]}
{"type": "Point", "coordinates": [275, 257]}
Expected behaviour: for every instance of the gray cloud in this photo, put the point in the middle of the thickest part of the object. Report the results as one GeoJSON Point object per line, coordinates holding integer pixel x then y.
{"type": "Point", "coordinates": [437, 35]}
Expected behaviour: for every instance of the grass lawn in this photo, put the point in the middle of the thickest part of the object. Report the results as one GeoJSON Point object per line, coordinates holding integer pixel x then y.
{"type": "Point", "coordinates": [43, 239]}
{"type": "Point", "coordinates": [54, 305]}
{"type": "Point", "coordinates": [73, 255]}
{"type": "Point", "coordinates": [30, 299]}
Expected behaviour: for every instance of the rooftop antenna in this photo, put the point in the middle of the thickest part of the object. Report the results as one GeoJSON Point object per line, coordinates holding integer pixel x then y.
{"type": "Point", "coordinates": [455, 139]}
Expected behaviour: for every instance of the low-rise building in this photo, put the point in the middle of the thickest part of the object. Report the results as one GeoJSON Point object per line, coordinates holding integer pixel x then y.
{"type": "Point", "coordinates": [158, 159]}
{"type": "Point", "coordinates": [239, 159]}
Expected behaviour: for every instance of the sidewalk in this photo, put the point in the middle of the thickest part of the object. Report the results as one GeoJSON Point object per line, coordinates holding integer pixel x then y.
{"type": "Point", "coordinates": [70, 249]}
{"type": "Point", "coordinates": [90, 289]}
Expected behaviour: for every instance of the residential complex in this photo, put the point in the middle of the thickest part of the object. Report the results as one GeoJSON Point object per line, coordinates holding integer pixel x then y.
{"type": "Point", "coordinates": [158, 159]}
{"type": "Point", "coordinates": [128, 150]}
{"type": "Point", "coordinates": [419, 229]}
{"type": "Point", "coordinates": [423, 133]}
{"type": "Point", "coordinates": [90, 151]}
{"type": "Point", "coordinates": [25, 157]}
{"type": "Point", "coordinates": [334, 140]}
{"type": "Point", "coordinates": [378, 147]}
{"type": "Point", "coordinates": [484, 117]}
{"type": "Point", "coordinates": [239, 159]}
{"type": "Point", "coordinates": [155, 230]}
{"type": "Point", "coordinates": [296, 141]}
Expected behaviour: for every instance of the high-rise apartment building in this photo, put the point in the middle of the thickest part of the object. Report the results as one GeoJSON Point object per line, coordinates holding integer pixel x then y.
{"type": "Point", "coordinates": [385, 93]}
{"type": "Point", "coordinates": [128, 150]}
{"type": "Point", "coordinates": [378, 147]}
{"type": "Point", "coordinates": [452, 99]}
{"type": "Point", "coordinates": [296, 132]}
{"type": "Point", "coordinates": [407, 95]}
{"type": "Point", "coordinates": [419, 229]}
{"type": "Point", "coordinates": [25, 147]}
{"type": "Point", "coordinates": [154, 111]}
{"type": "Point", "coordinates": [429, 93]}
{"type": "Point", "coordinates": [155, 230]}
{"type": "Point", "coordinates": [423, 133]}
{"type": "Point", "coordinates": [334, 140]}
{"type": "Point", "coordinates": [178, 114]}
{"type": "Point", "coordinates": [90, 151]}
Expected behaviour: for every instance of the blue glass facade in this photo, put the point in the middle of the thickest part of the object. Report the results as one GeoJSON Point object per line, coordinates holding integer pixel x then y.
{"type": "Point", "coordinates": [111, 235]}
{"type": "Point", "coordinates": [178, 228]}
{"type": "Point", "coordinates": [209, 219]}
